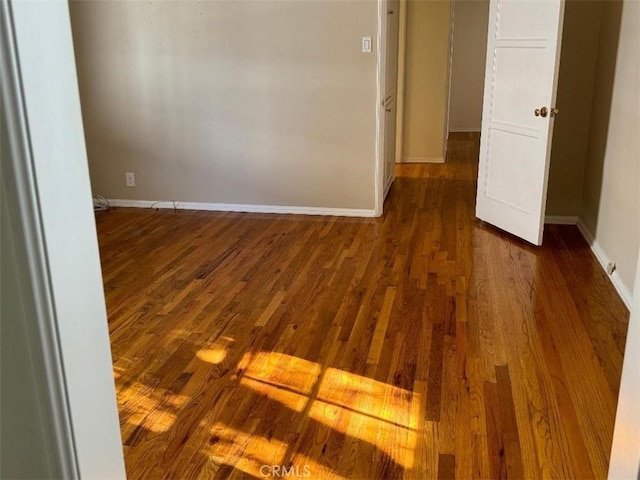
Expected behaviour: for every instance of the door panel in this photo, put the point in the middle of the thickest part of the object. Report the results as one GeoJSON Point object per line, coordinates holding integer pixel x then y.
{"type": "Point", "coordinates": [524, 19]}
{"type": "Point", "coordinates": [516, 79]}
{"type": "Point", "coordinates": [505, 145]}
{"type": "Point", "coordinates": [521, 75]}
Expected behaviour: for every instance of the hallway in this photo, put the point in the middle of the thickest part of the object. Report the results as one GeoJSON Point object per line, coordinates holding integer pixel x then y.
{"type": "Point", "coordinates": [419, 345]}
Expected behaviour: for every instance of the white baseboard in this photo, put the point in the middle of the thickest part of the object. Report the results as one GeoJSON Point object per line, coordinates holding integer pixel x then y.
{"type": "Point", "coordinates": [596, 248]}
{"type": "Point", "coordinates": [244, 208]}
{"type": "Point", "coordinates": [604, 259]}
{"type": "Point", "coordinates": [560, 220]}
{"type": "Point", "coordinates": [423, 160]}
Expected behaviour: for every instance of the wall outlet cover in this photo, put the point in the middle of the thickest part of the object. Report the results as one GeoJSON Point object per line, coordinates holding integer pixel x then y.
{"type": "Point", "coordinates": [130, 179]}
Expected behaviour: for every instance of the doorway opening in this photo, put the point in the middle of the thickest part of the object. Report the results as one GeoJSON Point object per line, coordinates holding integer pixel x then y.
{"type": "Point", "coordinates": [584, 69]}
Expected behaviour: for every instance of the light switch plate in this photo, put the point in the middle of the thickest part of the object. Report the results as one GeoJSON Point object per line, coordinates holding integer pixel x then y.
{"type": "Point", "coordinates": [366, 44]}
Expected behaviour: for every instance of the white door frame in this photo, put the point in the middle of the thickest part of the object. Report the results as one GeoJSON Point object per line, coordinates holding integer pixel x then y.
{"type": "Point", "coordinates": [402, 60]}
{"type": "Point", "coordinates": [381, 38]}
{"type": "Point", "coordinates": [400, 95]}
{"type": "Point", "coordinates": [16, 166]}
{"type": "Point", "coordinates": [445, 143]}
{"type": "Point", "coordinates": [51, 179]}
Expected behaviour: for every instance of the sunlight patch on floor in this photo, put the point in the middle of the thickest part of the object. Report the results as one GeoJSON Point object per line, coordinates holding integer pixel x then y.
{"type": "Point", "coordinates": [375, 412]}
{"type": "Point", "coordinates": [281, 371]}
{"type": "Point", "coordinates": [216, 352]}
{"type": "Point", "coordinates": [156, 412]}
{"type": "Point", "coordinates": [257, 455]}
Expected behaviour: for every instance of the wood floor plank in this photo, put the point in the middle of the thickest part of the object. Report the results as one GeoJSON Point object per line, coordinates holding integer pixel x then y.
{"type": "Point", "coordinates": [381, 326]}
{"type": "Point", "coordinates": [446, 467]}
{"type": "Point", "coordinates": [420, 345]}
{"type": "Point", "coordinates": [508, 421]}
{"type": "Point", "coordinates": [273, 305]}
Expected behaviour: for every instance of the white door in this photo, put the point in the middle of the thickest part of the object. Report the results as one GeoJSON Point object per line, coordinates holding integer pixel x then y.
{"type": "Point", "coordinates": [523, 52]}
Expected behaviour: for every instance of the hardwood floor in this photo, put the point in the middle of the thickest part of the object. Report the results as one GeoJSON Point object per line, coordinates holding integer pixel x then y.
{"type": "Point", "coordinates": [420, 345]}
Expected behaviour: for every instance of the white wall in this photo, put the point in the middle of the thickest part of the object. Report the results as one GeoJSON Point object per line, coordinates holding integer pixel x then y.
{"type": "Point", "coordinates": [625, 450]}
{"type": "Point", "coordinates": [611, 199]}
{"type": "Point", "coordinates": [240, 102]}
{"type": "Point", "coordinates": [471, 20]}
{"type": "Point", "coordinates": [611, 188]}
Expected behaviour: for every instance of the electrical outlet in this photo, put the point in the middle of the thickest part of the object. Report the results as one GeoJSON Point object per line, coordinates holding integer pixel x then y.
{"type": "Point", "coordinates": [130, 179]}
{"type": "Point", "coordinates": [611, 267]}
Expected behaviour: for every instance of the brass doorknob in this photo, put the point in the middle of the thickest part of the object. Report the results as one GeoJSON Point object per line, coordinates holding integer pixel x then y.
{"type": "Point", "coordinates": [541, 112]}
{"type": "Point", "coordinates": [555, 111]}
